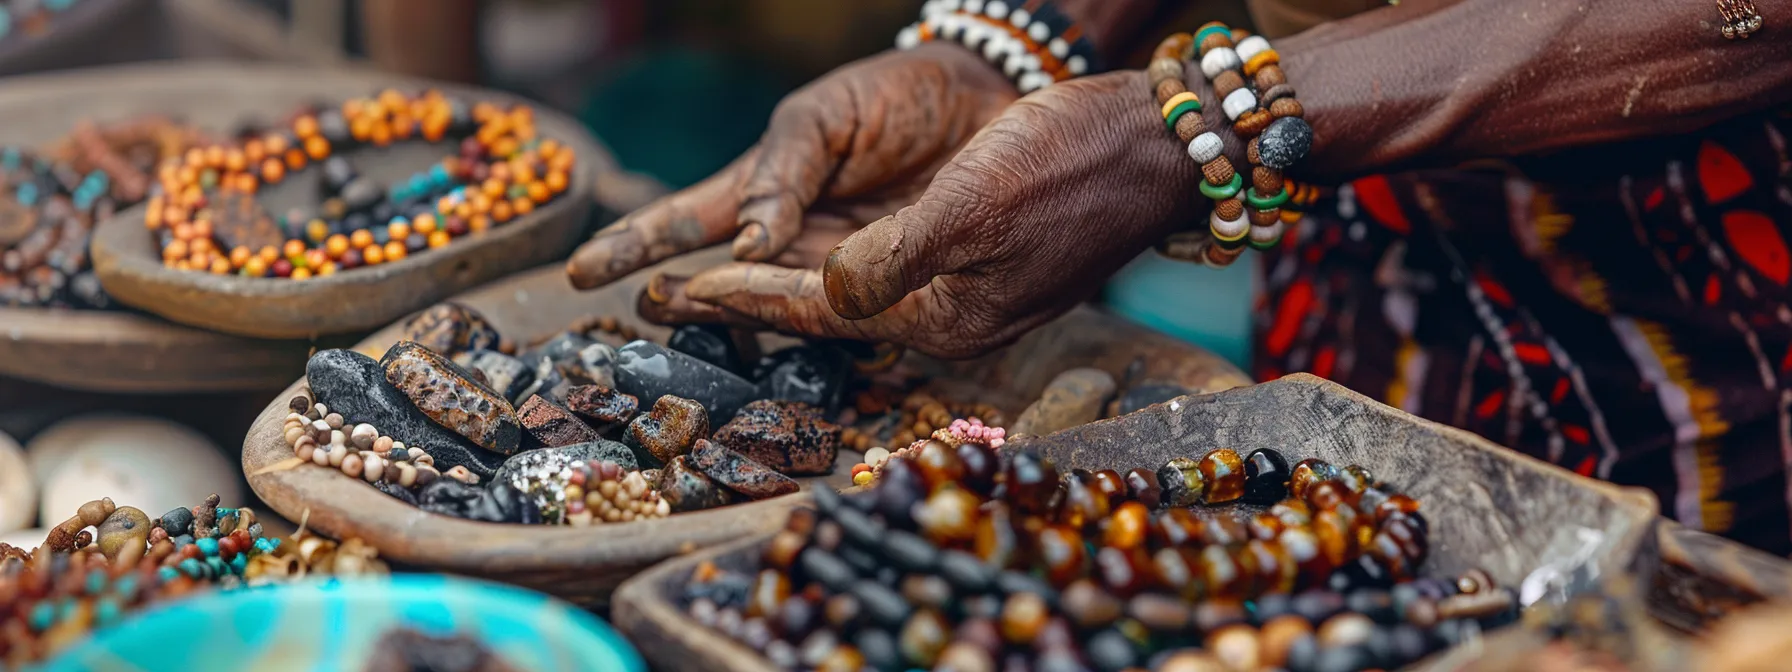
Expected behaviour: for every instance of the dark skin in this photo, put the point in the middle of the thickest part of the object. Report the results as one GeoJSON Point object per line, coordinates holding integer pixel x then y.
{"type": "Point", "coordinates": [1068, 184]}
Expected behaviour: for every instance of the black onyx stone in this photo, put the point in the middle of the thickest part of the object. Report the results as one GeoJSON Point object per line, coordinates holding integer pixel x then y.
{"type": "Point", "coordinates": [1265, 477]}
{"type": "Point", "coordinates": [396, 491]}
{"type": "Point", "coordinates": [355, 386]}
{"type": "Point", "coordinates": [1147, 394]}
{"type": "Point", "coordinates": [650, 371]}
{"type": "Point", "coordinates": [1285, 142]}
{"type": "Point", "coordinates": [506, 375]}
{"type": "Point", "coordinates": [708, 342]}
{"type": "Point", "coordinates": [812, 374]}
{"type": "Point", "coordinates": [498, 504]}
{"type": "Point", "coordinates": [909, 552]}
{"type": "Point", "coordinates": [178, 522]}
{"type": "Point", "coordinates": [579, 360]}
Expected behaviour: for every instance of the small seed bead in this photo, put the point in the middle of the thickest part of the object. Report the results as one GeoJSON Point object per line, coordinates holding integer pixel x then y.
{"type": "Point", "coordinates": [1266, 180]}
{"type": "Point", "coordinates": [1230, 208]}
{"type": "Point", "coordinates": [1286, 107]}
{"type": "Point", "coordinates": [1168, 89]}
{"type": "Point", "coordinates": [1265, 217]}
{"type": "Point", "coordinates": [1163, 68]}
{"type": "Point", "coordinates": [1268, 77]}
{"type": "Point", "coordinates": [1252, 123]}
{"type": "Point", "coordinates": [1190, 126]}
{"type": "Point", "coordinates": [1226, 83]}
{"type": "Point", "coordinates": [1220, 257]}
{"type": "Point", "coordinates": [1218, 171]}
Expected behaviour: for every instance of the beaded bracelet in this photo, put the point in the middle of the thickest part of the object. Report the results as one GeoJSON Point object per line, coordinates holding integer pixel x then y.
{"type": "Point", "coordinates": [1032, 41]}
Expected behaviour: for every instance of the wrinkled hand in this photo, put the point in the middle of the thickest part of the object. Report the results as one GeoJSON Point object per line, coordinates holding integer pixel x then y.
{"type": "Point", "coordinates": [843, 151]}
{"type": "Point", "coordinates": [1039, 209]}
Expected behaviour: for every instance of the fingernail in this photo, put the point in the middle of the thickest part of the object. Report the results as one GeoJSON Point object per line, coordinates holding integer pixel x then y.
{"type": "Point", "coordinates": [657, 291]}
{"type": "Point", "coordinates": [751, 240]}
{"type": "Point", "coordinates": [840, 296]}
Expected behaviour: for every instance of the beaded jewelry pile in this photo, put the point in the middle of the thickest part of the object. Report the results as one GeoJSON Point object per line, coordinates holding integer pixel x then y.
{"type": "Point", "coordinates": [204, 212]}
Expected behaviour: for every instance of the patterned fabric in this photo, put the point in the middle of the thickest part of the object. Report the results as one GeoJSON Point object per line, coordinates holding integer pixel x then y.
{"type": "Point", "coordinates": [1620, 311]}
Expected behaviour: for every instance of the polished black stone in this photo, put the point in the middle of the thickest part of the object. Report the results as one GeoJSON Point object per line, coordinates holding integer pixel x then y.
{"type": "Point", "coordinates": [650, 371]}
{"type": "Point", "coordinates": [354, 385]}
{"type": "Point", "coordinates": [813, 374]}
{"type": "Point", "coordinates": [1285, 142]}
{"type": "Point", "coordinates": [1265, 477]}
{"type": "Point", "coordinates": [506, 375]}
{"type": "Point", "coordinates": [708, 342]}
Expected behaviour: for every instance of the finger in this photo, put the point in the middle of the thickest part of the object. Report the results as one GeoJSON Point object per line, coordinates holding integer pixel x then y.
{"type": "Point", "coordinates": [821, 232]}
{"type": "Point", "coordinates": [689, 220]}
{"type": "Point", "coordinates": [663, 301]}
{"type": "Point", "coordinates": [796, 159]}
{"type": "Point", "coordinates": [875, 268]}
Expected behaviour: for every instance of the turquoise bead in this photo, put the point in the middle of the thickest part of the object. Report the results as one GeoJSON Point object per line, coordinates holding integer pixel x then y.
{"type": "Point", "coordinates": [9, 157]}
{"type": "Point", "coordinates": [166, 573]}
{"type": "Point", "coordinates": [96, 582]}
{"type": "Point", "coordinates": [239, 564]}
{"type": "Point", "coordinates": [207, 545]}
{"type": "Point", "coordinates": [126, 586]}
{"type": "Point", "coordinates": [217, 566]}
{"type": "Point", "coordinates": [43, 615]}
{"type": "Point", "coordinates": [267, 544]}
{"type": "Point", "coordinates": [1202, 35]}
{"type": "Point", "coordinates": [191, 567]}
{"type": "Point", "coordinates": [27, 194]}
{"type": "Point", "coordinates": [105, 611]}
{"type": "Point", "coordinates": [1225, 191]}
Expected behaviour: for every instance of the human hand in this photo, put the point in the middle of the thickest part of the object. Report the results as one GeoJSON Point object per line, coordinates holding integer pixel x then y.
{"type": "Point", "coordinates": [1068, 185]}
{"type": "Point", "coordinates": [847, 149]}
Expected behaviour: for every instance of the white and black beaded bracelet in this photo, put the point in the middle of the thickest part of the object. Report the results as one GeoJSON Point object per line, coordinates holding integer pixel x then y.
{"type": "Point", "coordinates": [1033, 43]}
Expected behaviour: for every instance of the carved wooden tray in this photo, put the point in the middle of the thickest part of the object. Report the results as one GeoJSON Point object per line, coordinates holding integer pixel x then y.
{"type": "Point", "coordinates": [586, 564]}
{"type": "Point", "coordinates": [1489, 507]}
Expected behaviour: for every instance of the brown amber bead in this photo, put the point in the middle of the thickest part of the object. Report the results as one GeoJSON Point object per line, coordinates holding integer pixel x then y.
{"type": "Point", "coordinates": [948, 517]}
{"type": "Point", "coordinates": [1307, 473]}
{"type": "Point", "coordinates": [1089, 606]}
{"type": "Point", "coordinates": [782, 551]}
{"type": "Point", "coordinates": [1112, 484]}
{"type": "Point", "coordinates": [1265, 526]}
{"type": "Point", "coordinates": [1224, 575]}
{"type": "Point", "coordinates": [1182, 482]}
{"type": "Point", "coordinates": [1275, 569]}
{"type": "Point", "coordinates": [1303, 549]}
{"type": "Point", "coordinates": [996, 542]}
{"type": "Point", "coordinates": [1179, 569]}
{"type": "Point", "coordinates": [924, 637]}
{"type": "Point", "coordinates": [1126, 572]}
{"type": "Point", "coordinates": [1237, 646]}
{"type": "Point", "coordinates": [1278, 635]}
{"type": "Point", "coordinates": [1031, 483]}
{"type": "Point", "coordinates": [939, 464]}
{"type": "Point", "coordinates": [1084, 504]}
{"type": "Point", "coordinates": [1395, 503]}
{"type": "Point", "coordinates": [1023, 617]}
{"type": "Point", "coordinates": [1177, 527]}
{"type": "Point", "coordinates": [1223, 470]}
{"type": "Point", "coordinates": [1328, 495]}
{"type": "Point", "coordinates": [1126, 528]}
{"type": "Point", "coordinates": [1225, 530]}
{"type": "Point", "coordinates": [1142, 485]}
{"type": "Point", "coordinates": [1062, 552]}
{"type": "Point", "coordinates": [1336, 541]}
{"type": "Point", "coordinates": [769, 591]}
{"type": "Point", "coordinates": [1356, 479]}
{"type": "Point", "coordinates": [844, 658]}
{"type": "Point", "coordinates": [980, 467]}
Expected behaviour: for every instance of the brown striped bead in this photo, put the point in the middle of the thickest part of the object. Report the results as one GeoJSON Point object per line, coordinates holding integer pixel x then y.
{"type": "Point", "coordinates": [1286, 107]}
{"type": "Point", "coordinates": [1218, 171]}
{"type": "Point", "coordinates": [1220, 256]}
{"type": "Point", "coordinates": [1229, 209]}
{"type": "Point", "coordinates": [1252, 123]}
{"type": "Point", "coordinates": [1167, 89]}
{"type": "Point", "coordinates": [1226, 83]}
{"type": "Point", "coordinates": [1215, 41]}
{"type": "Point", "coordinates": [1223, 470]}
{"type": "Point", "coordinates": [1277, 92]}
{"type": "Point", "coordinates": [1265, 217]}
{"type": "Point", "coordinates": [1162, 68]}
{"type": "Point", "coordinates": [1269, 76]}
{"type": "Point", "coordinates": [1268, 181]}
{"type": "Point", "coordinates": [1250, 153]}
{"type": "Point", "coordinates": [1175, 46]}
{"type": "Point", "coordinates": [1189, 126]}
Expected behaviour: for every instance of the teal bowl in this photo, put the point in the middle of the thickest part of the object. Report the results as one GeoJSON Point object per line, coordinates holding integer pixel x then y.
{"type": "Point", "coordinates": [335, 625]}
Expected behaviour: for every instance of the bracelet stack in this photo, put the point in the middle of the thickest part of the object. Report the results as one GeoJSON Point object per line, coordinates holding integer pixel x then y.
{"type": "Point", "coordinates": [1033, 43]}
{"type": "Point", "coordinates": [1256, 97]}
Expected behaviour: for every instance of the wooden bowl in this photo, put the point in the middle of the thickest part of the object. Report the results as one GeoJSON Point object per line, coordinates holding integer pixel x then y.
{"type": "Point", "coordinates": [217, 97]}
{"type": "Point", "coordinates": [92, 32]}
{"type": "Point", "coordinates": [586, 564]}
{"type": "Point", "coordinates": [1704, 578]}
{"type": "Point", "coordinates": [120, 351]}
{"type": "Point", "coordinates": [1489, 507]}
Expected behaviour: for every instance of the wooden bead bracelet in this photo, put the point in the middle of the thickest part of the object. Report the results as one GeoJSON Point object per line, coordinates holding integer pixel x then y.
{"type": "Point", "coordinates": [1032, 41]}
{"type": "Point", "coordinates": [1226, 64]}
{"type": "Point", "coordinates": [203, 206]}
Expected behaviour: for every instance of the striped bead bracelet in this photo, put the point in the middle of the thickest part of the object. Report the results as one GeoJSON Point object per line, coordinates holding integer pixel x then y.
{"type": "Point", "coordinates": [1032, 41]}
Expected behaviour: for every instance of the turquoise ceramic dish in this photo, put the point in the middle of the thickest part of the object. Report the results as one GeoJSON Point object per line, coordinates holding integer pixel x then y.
{"type": "Point", "coordinates": [334, 625]}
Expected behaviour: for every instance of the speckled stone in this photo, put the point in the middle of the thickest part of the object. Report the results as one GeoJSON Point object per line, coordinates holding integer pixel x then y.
{"type": "Point", "coordinates": [354, 385]}
{"type": "Point", "coordinates": [541, 475]}
{"type": "Point", "coordinates": [552, 426]}
{"type": "Point", "coordinates": [650, 371]}
{"type": "Point", "coordinates": [507, 375]}
{"type": "Point", "coordinates": [449, 395]}
{"type": "Point", "coordinates": [450, 329]}
{"type": "Point", "coordinates": [740, 473]}
{"type": "Point", "coordinates": [674, 425]}
{"type": "Point", "coordinates": [686, 489]}
{"type": "Point", "coordinates": [580, 360]}
{"type": "Point", "coordinates": [788, 436]}
{"type": "Point", "coordinates": [602, 406]}
{"type": "Point", "coordinates": [1285, 142]}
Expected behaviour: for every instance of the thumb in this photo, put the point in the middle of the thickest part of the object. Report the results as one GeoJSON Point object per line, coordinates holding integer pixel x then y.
{"type": "Point", "coordinates": [876, 267]}
{"type": "Point", "coordinates": [796, 160]}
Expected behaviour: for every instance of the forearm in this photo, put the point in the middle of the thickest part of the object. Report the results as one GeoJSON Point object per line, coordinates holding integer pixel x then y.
{"type": "Point", "coordinates": [1115, 27]}
{"type": "Point", "coordinates": [1433, 82]}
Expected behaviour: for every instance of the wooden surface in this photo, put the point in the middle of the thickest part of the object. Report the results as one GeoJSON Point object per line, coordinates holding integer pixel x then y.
{"type": "Point", "coordinates": [92, 32]}
{"type": "Point", "coordinates": [122, 351]}
{"type": "Point", "coordinates": [1703, 578]}
{"type": "Point", "coordinates": [586, 564]}
{"type": "Point", "coordinates": [218, 96]}
{"type": "Point", "coordinates": [1488, 507]}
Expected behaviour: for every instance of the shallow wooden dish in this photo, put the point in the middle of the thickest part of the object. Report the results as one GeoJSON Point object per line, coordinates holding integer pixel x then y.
{"type": "Point", "coordinates": [219, 96]}
{"type": "Point", "coordinates": [121, 351]}
{"type": "Point", "coordinates": [585, 565]}
{"type": "Point", "coordinates": [1489, 507]}
{"type": "Point", "coordinates": [1703, 578]}
{"type": "Point", "coordinates": [91, 32]}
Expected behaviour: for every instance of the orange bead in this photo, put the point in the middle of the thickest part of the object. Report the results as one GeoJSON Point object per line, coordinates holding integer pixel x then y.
{"type": "Point", "coordinates": [268, 254]}
{"type": "Point", "coordinates": [202, 229]}
{"type": "Point", "coordinates": [336, 245]}
{"type": "Point", "coordinates": [478, 223]}
{"type": "Point", "coordinates": [373, 255]}
{"type": "Point", "coordinates": [272, 171]}
{"type": "Point", "coordinates": [305, 126]}
{"type": "Point", "coordinates": [548, 148]}
{"type": "Point", "coordinates": [562, 161]}
{"type": "Point", "coordinates": [398, 230]}
{"type": "Point", "coordinates": [214, 156]}
{"type": "Point", "coordinates": [438, 238]}
{"type": "Point", "coordinates": [353, 107]}
{"type": "Point", "coordinates": [329, 268]}
{"type": "Point", "coordinates": [505, 147]}
{"type": "Point", "coordinates": [522, 172]}
{"type": "Point", "coordinates": [382, 134]}
{"type": "Point", "coordinates": [492, 188]}
{"type": "Point", "coordinates": [361, 128]}
{"type": "Point", "coordinates": [195, 158]}
{"type": "Point", "coordinates": [246, 183]}
{"type": "Point", "coordinates": [240, 256]}
{"type": "Point", "coordinates": [500, 171]}
{"type": "Point", "coordinates": [199, 260]}
{"type": "Point", "coordinates": [186, 175]}
{"type": "Point", "coordinates": [176, 249]}
{"type": "Point", "coordinates": [293, 248]}
{"type": "Point", "coordinates": [484, 110]}
{"type": "Point", "coordinates": [317, 148]}
{"type": "Point", "coordinates": [425, 223]}
{"type": "Point", "coordinates": [255, 267]}
{"type": "Point", "coordinates": [463, 210]}
{"type": "Point", "coordinates": [316, 257]}
{"type": "Point", "coordinates": [402, 126]}
{"type": "Point", "coordinates": [234, 161]}
{"type": "Point", "coordinates": [501, 212]}
{"type": "Point", "coordinates": [174, 214]}
{"type": "Point", "coordinates": [183, 231]}
{"type": "Point", "coordinates": [538, 192]}
{"type": "Point", "coordinates": [481, 203]}
{"type": "Point", "coordinates": [523, 132]}
{"type": "Point", "coordinates": [301, 273]}
{"type": "Point", "coordinates": [557, 181]}
{"type": "Point", "coordinates": [220, 266]}
{"type": "Point", "coordinates": [435, 127]}
{"type": "Point", "coordinates": [295, 159]}
{"type": "Point", "coordinates": [152, 216]}
{"type": "Point", "coordinates": [254, 151]}
{"type": "Point", "coordinates": [192, 196]}
{"type": "Point", "coordinates": [394, 251]}
{"type": "Point", "coordinates": [445, 205]}
{"type": "Point", "coordinates": [198, 244]}
{"type": "Point", "coordinates": [391, 99]}
{"type": "Point", "coordinates": [360, 239]}
{"type": "Point", "coordinates": [181, 265]}
{"type": "Point", "coordinates": [276, 144]}
{"type": "Point", "coordinates": [521, 205]}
